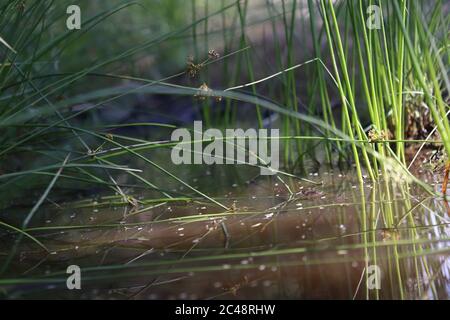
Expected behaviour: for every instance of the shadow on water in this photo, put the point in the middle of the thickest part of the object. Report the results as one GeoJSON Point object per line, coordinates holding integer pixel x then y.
{"type": "Point", "coordinates": [280, 239]}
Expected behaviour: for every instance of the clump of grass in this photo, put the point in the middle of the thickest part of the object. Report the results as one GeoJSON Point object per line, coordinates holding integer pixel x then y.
{"type": "Point", "coordinates": [387, 62]}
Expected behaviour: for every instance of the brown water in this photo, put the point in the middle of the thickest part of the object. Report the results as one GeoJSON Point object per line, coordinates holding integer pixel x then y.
{"type": "Point", "coordinates": [285, 239]}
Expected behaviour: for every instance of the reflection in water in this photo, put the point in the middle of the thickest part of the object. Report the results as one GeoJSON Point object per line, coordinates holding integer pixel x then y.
{"type": "Point", "coordinates": [316, 241]}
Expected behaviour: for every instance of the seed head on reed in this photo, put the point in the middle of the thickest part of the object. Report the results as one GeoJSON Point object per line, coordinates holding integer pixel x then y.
{"type": "Point", "coordinates": [377, 135]}
{"type": "Point", "coordinates": [203, 92]}
{"type": "Point", "coordinates": [213, 54]}
{"type": "Point", "coordinates": [193, 69]}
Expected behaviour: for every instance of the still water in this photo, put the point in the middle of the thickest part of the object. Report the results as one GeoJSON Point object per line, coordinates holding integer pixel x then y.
{"type": "Point", "coordinates": [280, 239]}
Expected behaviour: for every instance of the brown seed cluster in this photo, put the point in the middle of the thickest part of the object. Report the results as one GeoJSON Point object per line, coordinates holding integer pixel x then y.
{"type": "Point", "coordinates": [193, 69]}
{"type": "Point", "coordinates": [375, 135]}
{"type": "Point", "coordinates": [203, 92]}
{"type": "Point", "coordinates": [213, 54]}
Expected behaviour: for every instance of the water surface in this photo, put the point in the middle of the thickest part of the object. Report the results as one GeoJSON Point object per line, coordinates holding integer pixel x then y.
{"type": "Point", "coordinates": [281, 239]}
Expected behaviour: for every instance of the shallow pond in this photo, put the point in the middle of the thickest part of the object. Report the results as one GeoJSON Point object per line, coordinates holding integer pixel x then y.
{"type": "Point", "coordinates": [280, 239]}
